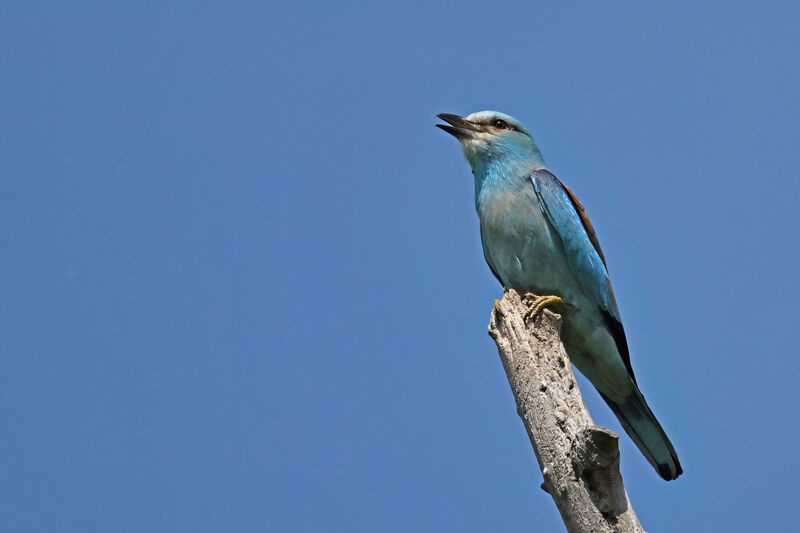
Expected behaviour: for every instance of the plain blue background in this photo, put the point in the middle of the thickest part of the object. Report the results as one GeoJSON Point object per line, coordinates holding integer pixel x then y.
{"type": "Point", "coordinates": [242, 288]}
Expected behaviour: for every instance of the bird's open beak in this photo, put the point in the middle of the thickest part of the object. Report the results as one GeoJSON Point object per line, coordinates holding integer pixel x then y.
{"type": "Point", "coordinates": [461, 128]}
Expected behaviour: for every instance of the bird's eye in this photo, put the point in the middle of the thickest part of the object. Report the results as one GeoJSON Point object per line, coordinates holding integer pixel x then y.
{"type": "Point", "coordinates": [500, 124]}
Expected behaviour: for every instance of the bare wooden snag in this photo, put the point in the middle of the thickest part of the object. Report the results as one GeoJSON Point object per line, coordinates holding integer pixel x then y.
{"type": "Point", "coordinates": [579, 461]}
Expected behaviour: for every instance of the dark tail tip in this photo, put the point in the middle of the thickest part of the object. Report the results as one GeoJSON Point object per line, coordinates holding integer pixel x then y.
{"type": "Point", "coordinates": [641, 425]}
{"type": "Point", "coordinates": [666, 471]}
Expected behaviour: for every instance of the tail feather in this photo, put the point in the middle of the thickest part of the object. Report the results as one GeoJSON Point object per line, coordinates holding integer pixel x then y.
{"type": "Point", "coordinates": [641, 425]}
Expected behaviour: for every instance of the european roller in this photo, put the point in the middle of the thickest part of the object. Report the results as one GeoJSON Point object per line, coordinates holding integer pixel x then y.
{"type": "Point", "coordinates": [538, 240]}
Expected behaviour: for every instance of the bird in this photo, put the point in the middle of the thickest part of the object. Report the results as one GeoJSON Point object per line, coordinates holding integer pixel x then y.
{"type": "Point", "coordinates": [539, 241]}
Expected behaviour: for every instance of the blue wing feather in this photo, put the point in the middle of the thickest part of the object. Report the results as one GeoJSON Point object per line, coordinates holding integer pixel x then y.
{"type": "Point", "coordinates": [584, 257]}
{"type": "Point", "coordinates": [583, 253]}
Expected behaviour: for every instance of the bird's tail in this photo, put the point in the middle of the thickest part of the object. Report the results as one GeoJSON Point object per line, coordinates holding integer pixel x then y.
{"type": "Point", "coordinates": [640, 423]}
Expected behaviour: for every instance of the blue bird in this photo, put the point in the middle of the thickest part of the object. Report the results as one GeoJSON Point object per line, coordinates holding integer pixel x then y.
{"type": "Point", "coordinates": [538, 240]}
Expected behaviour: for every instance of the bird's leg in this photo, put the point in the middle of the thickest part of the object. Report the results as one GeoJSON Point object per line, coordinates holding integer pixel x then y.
{"type": "Point", "coordinates": [536, 304]}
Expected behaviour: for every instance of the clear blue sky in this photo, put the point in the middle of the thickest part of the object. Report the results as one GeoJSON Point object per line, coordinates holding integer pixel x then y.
{"type": "Point", "coordinates": [241, 282]}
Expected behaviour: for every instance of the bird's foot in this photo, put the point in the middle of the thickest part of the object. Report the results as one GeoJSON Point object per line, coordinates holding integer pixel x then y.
{"type": "Point", "coordinates": [536, 305]}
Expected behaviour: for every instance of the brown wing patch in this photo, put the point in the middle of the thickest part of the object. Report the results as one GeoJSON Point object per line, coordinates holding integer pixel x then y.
{"type": "Point", "coordinates": [587, 225]}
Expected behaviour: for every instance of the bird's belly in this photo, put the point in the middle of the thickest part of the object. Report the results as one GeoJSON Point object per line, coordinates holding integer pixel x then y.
{"type": "Point", "coordinates": [523, 249]}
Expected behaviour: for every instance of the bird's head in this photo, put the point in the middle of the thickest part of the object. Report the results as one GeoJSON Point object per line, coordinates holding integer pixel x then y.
{"type": "Point", "coordinates": [492, 137]}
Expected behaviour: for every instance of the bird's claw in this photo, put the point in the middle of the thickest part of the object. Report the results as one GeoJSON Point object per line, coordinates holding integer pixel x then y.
{"type": "Point", "coordinates": [536, 304]}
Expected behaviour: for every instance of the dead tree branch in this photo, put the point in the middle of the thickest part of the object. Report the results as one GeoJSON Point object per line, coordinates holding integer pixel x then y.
{"type": "Point", "coordinates": [579, 461]}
